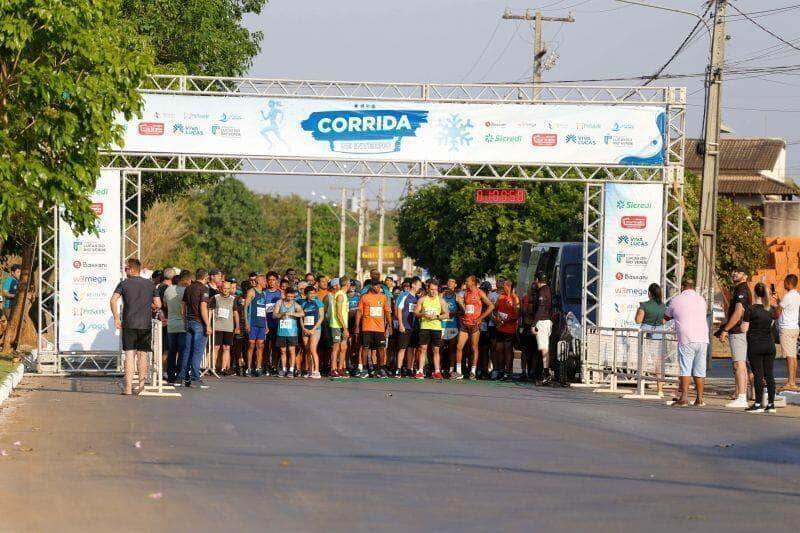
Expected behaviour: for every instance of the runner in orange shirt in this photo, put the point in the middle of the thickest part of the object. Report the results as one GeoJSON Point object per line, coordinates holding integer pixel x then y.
{"type": "Point", "coordinates": [374, 322]}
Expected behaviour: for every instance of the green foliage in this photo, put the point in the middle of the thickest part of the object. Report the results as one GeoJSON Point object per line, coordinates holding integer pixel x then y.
{"type": "Point", "coordinates": [442, 228]}
{"type": "Point", "coordinates": [740, 239]}
{"type": "Point", "coordinates": [66, 68]}
{"type": "Point", "coordinates": [229, 234]}
{"type": "Point", "coordinates": [198, 37]}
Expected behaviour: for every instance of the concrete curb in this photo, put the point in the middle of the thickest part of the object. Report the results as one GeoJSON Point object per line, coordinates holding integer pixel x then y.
{"type": "Point", "coordinates": [11, 381]}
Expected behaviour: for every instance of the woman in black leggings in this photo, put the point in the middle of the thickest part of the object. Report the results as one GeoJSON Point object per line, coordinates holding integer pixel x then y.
{"type": "Point", "coordinates": [757, 323]}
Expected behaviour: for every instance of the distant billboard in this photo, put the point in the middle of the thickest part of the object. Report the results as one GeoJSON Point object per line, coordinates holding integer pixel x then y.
{"type": "Point", "coordinates": [392, 256]}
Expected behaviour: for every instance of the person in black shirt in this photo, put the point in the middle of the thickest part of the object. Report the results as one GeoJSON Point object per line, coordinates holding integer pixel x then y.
{"type": "Point", "coordinates": [542, 310]}
{"type": "Point", "coordinates": [757, 323]}
{"type": "Point", "coordinates": [139, 299]}
{"type": "Point", "coordinates": [731, 331]}
{"type": "Point", "coordinates": [198, 328]}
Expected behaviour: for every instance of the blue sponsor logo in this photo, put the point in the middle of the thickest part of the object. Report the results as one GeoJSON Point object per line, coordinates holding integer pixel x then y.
{"type": "Point", "coordinates": [364, 131]}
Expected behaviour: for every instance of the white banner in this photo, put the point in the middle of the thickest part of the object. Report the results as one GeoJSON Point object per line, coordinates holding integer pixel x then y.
{"type": "Point", "coordinates": [399, 131]}
{"type": "Point", "coordinates": [89, 270]}
{"type": "Point", "coordinates": [632, 234]}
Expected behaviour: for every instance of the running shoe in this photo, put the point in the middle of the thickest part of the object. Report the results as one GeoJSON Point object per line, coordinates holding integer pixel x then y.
{"type": "Point", "coordinates": [770, 408]}
{"type": "Point", "coordinates": [472, 376]}
{"type": "Point", "coordinates": [363, 374]}
{"type": "Point", "coordinates": [457, 376]}
{"type": "Point", "coordinates": [334, 374]}
{"type": "Point", "coordinates": [315, 375]}
{"type": "Point", "coordinates": [290, 374]}
{"type": "Point", "coordinates": [505, 376]}
{"type": "Point", "coordinates": [344, 374]}
{"type": "Point", "coordinates": [419, 375]}
{"type": "Point", "coordinates": [187, 384]}
{"type": "Point", "coordinates": [756, 408]}
{"type": "Point", "coordinates": [437, 375]}
{"type": "Point", "coordinates": [202, 384]}
{"type": "Point", "coordinates": [738, 403]}
{"type": "Point", "coordinates": [282, 374]}
{"type": "Point", "coordinates": [398, 373]}
{"type": "Point", "coordinates": [257, 373]}
{"type": "Point", "coordinates": [548, 378]}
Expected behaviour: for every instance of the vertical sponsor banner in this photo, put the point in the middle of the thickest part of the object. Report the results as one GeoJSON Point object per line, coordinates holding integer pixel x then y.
{"type": "Point", "coordinates": [631, 251]}
{"type": "Point", "coordinates": [88, 272]}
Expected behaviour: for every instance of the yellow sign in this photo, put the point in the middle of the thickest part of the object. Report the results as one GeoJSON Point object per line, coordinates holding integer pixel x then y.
{"type": "Point", "coordinates": [392, 255]}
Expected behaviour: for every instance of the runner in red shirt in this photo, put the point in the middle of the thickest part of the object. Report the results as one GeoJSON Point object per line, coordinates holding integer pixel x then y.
{"type": "Point", "coordinates": [506, 318]}
{"type": "Point", "coordinates": [474, 306]}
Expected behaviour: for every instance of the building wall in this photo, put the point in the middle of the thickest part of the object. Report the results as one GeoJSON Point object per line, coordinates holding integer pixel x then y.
{"type": "Point", "coordinates": [782, 219]}
{"type": "Point", "coordinates": [778, 172]}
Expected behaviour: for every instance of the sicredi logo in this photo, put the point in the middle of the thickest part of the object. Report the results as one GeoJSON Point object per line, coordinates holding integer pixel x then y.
{"type": "Point", "coordinates": [364, 131]}
{"type": "Point", "coordinates": [627, 204]}
{"type": "Point", "coordinates": [151, 128]}
{"type": "Point", "coordinates": [544, 139]}
{"type": "Point", "coordinates": [633, 222]}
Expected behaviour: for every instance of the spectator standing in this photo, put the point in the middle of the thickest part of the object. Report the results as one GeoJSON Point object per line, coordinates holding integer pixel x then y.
{"type": "Point", "coordinates": [543, 323]}
{"type": "Point", "coordinates": [10, 287]}
{"type": "Point", "coordinates": [688, 310]}
{"type": "Point", "coordinates": [788, 315]}
{"type": "Point", "coordinates": [198, 328]}
{"type": "Point", "coordinates": [139, 297]}
{"type": "Point", "coordinates": [176, 325]}
{"type": "Point", "coordinates": [731, 331]}
{"type": "Point", "coordinates": [757, 325]}
{"type": "Point", "coordinates": [651, 317]}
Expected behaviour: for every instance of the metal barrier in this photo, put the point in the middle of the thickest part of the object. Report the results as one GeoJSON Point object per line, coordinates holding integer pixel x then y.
{"type": "Point", "coordinates": [630, 356]}
{"type": "Point", "coordinates": [209, 364]}
{"type": "Point", "coordinates": [156, 366]}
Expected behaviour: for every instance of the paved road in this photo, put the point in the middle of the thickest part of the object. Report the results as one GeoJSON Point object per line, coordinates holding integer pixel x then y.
{"type": "Point", "coordinates": [259, 455]}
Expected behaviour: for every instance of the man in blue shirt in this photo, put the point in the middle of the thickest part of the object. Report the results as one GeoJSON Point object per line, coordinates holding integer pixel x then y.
{"type": "Point", "coordinates": [10, 287]}
{"type": "Point", "coordinates": [404, 311]}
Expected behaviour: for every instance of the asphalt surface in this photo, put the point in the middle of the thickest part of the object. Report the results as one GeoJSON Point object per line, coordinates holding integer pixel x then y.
{"type": "Point", "coordinates": [295, 455]}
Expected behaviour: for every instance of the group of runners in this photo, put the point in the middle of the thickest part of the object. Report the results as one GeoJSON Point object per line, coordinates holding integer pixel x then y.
{"type": "Point", "coordinates": [284, 326]}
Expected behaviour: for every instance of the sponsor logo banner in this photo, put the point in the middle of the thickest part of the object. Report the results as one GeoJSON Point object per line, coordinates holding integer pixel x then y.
{"type": "Point", "coordinates": [632, 252]}
{"type": "Point", "coordinates": [89, 269]}
{"type": "Point", "coordinates": [398, 131]}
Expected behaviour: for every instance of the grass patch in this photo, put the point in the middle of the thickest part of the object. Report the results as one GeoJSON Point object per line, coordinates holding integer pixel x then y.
{"type": "Point", "coordinates": [6, 366]}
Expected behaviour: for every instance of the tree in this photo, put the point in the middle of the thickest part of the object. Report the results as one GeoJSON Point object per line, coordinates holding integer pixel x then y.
{"type": "Point", "coordinates": [740, 239]}
{"type": "Point", "coordinates": [66, 69]}
{"type": "Point", "coordinates": [196, 37]}
{"type": "Point", "coordinates": [229, 233]}
{"type": "Point", "coordinates": [445, 231]}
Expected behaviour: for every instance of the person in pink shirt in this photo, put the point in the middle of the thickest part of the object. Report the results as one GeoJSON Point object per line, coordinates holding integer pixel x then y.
{"type": "Point", "coordinates": [689, 310]}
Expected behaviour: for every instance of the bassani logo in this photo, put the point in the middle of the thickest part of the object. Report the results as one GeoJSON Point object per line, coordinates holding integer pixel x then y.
{"type": "Point", "coordinates": [370, 131]}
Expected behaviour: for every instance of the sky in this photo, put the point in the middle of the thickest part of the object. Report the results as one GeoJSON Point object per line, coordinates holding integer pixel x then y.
{"type": "Point", "coordinates": [466, 40]}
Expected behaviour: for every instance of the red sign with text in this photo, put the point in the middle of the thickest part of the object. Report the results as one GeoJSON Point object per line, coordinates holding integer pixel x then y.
{"type": "Point", "coordinates": [500, 196]}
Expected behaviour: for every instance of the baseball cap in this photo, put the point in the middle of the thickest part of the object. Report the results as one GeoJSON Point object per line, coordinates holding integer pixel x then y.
{"type": "Point", "coordinates": [334, 282]}
{"type": "Point", "coordinates": [231, 280]}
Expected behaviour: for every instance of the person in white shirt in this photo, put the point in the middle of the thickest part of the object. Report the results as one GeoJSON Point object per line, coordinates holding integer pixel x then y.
{"type": "Point", "coordinates": [788, 316]}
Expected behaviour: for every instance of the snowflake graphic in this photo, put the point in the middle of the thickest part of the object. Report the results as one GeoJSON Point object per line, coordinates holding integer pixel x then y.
{"type": "Point", "coordinates": [455, 132]}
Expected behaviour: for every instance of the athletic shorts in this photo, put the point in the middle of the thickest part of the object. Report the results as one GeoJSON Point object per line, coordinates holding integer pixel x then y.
{"type": "Point", "coordinates": [504, 337]}
{"type": "Point", "coordinates": [373, 340]}
{"type": "Point", "coordinates": [337, 335]}
{"type": "Point", "coordinates": [137, 339]}
{"type": "Point", "coordinates": [449, 334]}
{"type": "Point", "coordinates": [431, 337]}
{"type": "Point", "coordinates": [283, 342]}
{"type": "Point", "coordinates": [405, 340]}
{"type": "Point", "coordinates": [314, 333]}
{"type": "Point", "coordinates": [257, 333]}
{"type": "Point", "coordinates": [738, 343]}
{"type": "Point", "coordinates": [272, 335]}
{"type": "Point", "coordinates": [471, 329]}
{"type": "Point", "coordinates": [223, 338]}
{"type": "Point", "coordinates": [543, 330]}
{"type": "Point", "coordinates": [487, 336]}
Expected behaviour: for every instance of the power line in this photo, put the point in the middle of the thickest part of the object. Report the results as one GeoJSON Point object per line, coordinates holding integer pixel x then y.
{"type": "Point", "coordinates": [765, 29]}
{"type": "Point", "coordinates": [503, 52]}
{"type": "Point", "coordinates": [483, 52]}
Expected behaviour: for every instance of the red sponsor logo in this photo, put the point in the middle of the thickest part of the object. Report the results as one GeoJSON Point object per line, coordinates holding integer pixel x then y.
{"type": "Point", "coordinates": [151, 128]}
{"type": "Point", "coordinates": [500, 196]}
{"type": "Point", "coordinates": [634, 222]}
{"type": "Point", "coordinates": [544, 139]}
{"type": "Point", "coordinates": [619, 276]}
{"type": "Point", "coordinates": [97, 207]}
{"type": "Point", "coordinates": [76, 264]}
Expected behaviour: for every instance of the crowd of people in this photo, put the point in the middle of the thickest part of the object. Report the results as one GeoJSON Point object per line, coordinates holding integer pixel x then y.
{"type": "Point", "coordinates": [284, 326]}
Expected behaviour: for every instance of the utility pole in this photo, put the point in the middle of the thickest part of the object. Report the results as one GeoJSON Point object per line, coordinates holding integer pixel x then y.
{"type": "Point", "coordinates": [706, 249]}
{"type": "Point", "coordinates": [342, 231]}
{"type": "Point", "coordinates": [382, 210]}
{"type": "Point", "coordinates": [308, 238]}
{"type": "Point", "coordinates": [361, 223]}
{"type": "Point", "coordinates": [538, 51]}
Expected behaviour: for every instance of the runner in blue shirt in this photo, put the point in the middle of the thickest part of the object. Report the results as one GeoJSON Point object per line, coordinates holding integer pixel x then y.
{"type": "Point", "coordinates": [404, 310]}
{"type": "Point", "coordinates": [450, 329]}
{"type": "Point", "coordinates": [273, 295]}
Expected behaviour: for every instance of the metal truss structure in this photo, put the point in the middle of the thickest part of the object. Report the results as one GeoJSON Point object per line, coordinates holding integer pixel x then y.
{"type": "Point", "coordinates": [670, 175]}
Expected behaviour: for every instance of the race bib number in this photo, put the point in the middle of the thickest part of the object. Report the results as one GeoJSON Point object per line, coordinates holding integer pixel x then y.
{"type": "Point", "coordinates": [309, 320]}
{"type": "Point", "coordinates": [376, 311]}
{"type": "Point", "coordinates": [285, 323]}
{"type": "Point", "coordinates": [261, 311]}
{"type": "Point", "coordinates": [469, 309]}
{"type": "Point", "coordinates": [395, 324]}
{"type": "Point", "coordinates": [411, 307]}
{"type": "Point", "coordinates": [502, 316]}
{"type": "Point", "coordinates": [431, 313]}
{"type": "Point", "coordinates": [223, 313]}
{"type": "Point", "coordinates": [269, 308]}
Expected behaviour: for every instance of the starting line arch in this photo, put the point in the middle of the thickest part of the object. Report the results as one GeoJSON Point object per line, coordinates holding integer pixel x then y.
{"type": "Point", "coordinates": [587, 127]}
